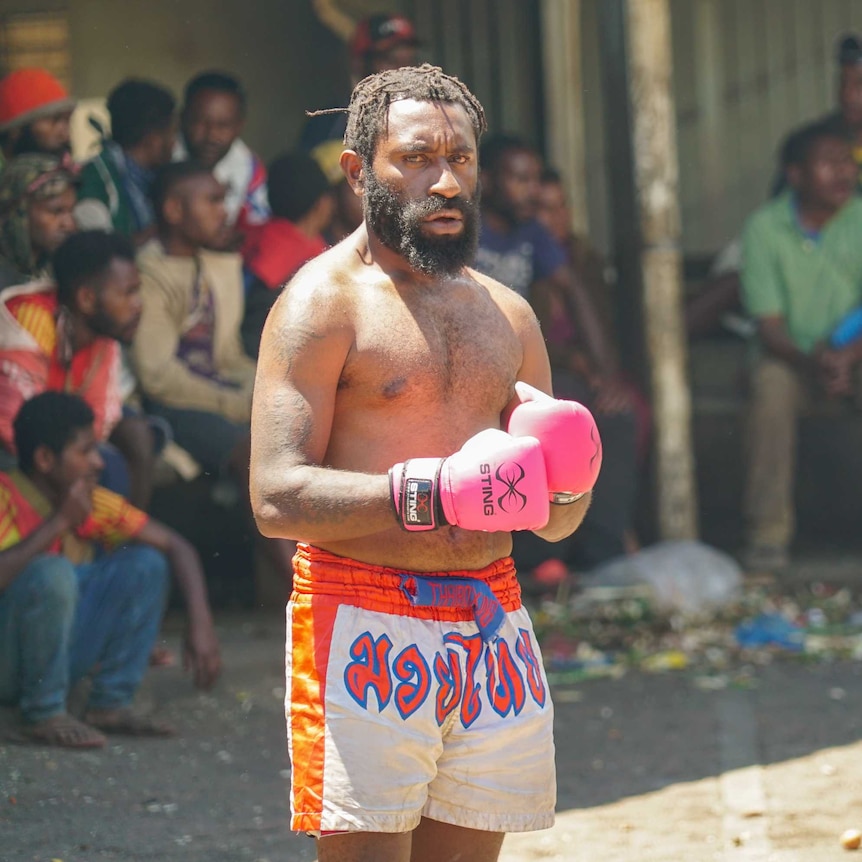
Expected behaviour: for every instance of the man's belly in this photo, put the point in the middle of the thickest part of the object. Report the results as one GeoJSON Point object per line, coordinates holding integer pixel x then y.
{"type": "Point", "coordinates": [447, 549]}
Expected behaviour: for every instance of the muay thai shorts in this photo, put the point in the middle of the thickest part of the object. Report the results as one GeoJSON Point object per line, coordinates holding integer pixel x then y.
{"type": "Point", "coordinates": [414, 695]}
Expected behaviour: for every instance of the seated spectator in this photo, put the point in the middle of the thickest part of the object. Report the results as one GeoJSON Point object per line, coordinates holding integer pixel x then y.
{"type": "Point", "coordinates": [847, 119]}
{"type": "Point", "coordinates": [68, 338]}
{"type": "Point", "coordinates": [517, 250]}
{"type": "Point", "coordinates": [35, 110]}
{"type": "Point", "coordinates": [37, 197]}
{"type": "Point", "coordinates": [66, 612]}
{"type": "Point", "coordinates": [211, 122]}
{"type": "Point", "coordinates": [801, 274]}
{"type": "Point", "coordinates": [580, 324]}
{"type": "Point", "coordinates": [187, 351]}
{"type": "Point", "coordinates": [302, 206]}
{"type": "Point", "coordinates": [347, 210]}
{"type": "Point", "coordinates": [114, 193]}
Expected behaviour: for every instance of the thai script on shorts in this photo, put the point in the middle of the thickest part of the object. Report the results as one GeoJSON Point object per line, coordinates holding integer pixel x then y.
{"type": "Point", "coordinates": [404, 682]}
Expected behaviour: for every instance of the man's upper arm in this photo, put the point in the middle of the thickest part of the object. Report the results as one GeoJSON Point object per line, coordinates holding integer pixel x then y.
{"type": "Point", "coordinates": [762, 295]}
{"type": "Point", "coordinates": [535, 367]}
{"type": "Point", "coordinates": [303, 349]}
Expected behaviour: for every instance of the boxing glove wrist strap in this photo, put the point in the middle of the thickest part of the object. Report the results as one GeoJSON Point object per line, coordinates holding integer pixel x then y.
{"type": "Point", "coordinates": [565, 498]}
{"type": "Point", "coordinates": [415, 492]}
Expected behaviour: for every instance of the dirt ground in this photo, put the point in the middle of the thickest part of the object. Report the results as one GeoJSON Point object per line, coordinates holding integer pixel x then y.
{"type": "Point", "coordinates": [650, 767]}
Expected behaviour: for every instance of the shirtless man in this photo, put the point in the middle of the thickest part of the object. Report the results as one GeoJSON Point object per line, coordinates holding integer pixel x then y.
{"type": "Point", "coordinates": [419, 721]}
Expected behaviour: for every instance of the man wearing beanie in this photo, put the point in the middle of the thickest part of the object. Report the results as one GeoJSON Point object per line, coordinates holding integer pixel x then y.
{"type": "Point", "coordinates": [302, 205]}
{"type": "Point", "coordinates": [35, 109]}
{"type": "Point", "coordinates": [37, 197]}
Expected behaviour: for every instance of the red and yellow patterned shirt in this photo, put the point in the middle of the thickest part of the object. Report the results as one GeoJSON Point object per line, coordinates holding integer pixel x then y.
{"type": "Point", "coordinates": [32, 361]}
{"type": "Point", "coordinates": [112, 522]}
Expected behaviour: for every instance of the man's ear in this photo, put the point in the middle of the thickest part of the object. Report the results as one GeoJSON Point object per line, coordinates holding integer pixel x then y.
{"type": "Point", "coordinates": [86, 300]}
{"type": "Point", "coordinates": [351, 165]}
{"type": "Point", "coordinates": [794, 176]}
{"type": "Point", "coordinates": [172, 210]}
{"type": "Point", "coordinates": [44, 460]}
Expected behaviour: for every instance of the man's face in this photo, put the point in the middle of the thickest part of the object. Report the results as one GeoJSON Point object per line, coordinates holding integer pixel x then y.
{"type": "Point", "coordinates": [421, 191]}
{"type": "Point", "coordinates": [51, 221]}
{"type": "Point", "coordinates": [80, 459]}
{"type": "Point", "coordinates": [850, 95]}
{"type": "Point", "coordinates": [211, 122]}
{"type": "Point", "coordinates": [117, 295]}
{"type": "Point", "coordinates": [828, 177]}
{"type": "Point", "coordinates": [553, 210]}
{"type": "Point", "coordinates": [516, 185]}
{"type": "Point", "coordinates": [46, 135]}
{"type": "Point", "coordinates": [204, 218]}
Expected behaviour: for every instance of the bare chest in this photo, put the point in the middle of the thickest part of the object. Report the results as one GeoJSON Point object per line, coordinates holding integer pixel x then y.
{"type": "Point", "coordinates": [459, 349]}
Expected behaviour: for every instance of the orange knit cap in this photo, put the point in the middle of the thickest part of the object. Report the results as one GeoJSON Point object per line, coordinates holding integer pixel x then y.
{"type": "Point", "coordinates": [30, 94]}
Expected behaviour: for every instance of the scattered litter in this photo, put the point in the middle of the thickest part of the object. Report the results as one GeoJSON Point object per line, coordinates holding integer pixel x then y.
{"type": "Point", "coordinates": [696, 617]}
{"type": "Point", "coordinates": [773, 630]}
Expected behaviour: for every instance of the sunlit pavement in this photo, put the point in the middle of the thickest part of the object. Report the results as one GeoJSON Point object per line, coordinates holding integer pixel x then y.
{"type": "Point", "coordinates": [650, 767]}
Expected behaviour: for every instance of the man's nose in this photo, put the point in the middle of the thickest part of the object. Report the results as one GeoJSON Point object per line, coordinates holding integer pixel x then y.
{"type": "Point", "coordinates": [97, 461]}
{"type": "Point", "coordinates": [446, 184]}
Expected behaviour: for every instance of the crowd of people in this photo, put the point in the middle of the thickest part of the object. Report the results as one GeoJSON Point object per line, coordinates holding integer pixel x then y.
{"type": "Point", "coordinates": [134, 290]}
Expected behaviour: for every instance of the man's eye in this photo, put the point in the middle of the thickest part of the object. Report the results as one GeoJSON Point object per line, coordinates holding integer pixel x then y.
{"type": "Point", "coordinates": [459, 159]}
{"type": "Point", "coordinates": [414, 159]}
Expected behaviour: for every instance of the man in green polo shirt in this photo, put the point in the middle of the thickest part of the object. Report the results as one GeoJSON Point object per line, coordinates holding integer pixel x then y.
{"type": "Point", "coordinates": [802, 273]}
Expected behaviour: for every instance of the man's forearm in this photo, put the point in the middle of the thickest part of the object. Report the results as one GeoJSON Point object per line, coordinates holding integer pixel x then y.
{"type": "Point", "coordinates": [317, 504]}
{"type": "Point", "coordinates": [565, 520]}
{"type": "Point", "coordinates": [14, 560]}
{"type": "Point", "coordinates": [186, 568]}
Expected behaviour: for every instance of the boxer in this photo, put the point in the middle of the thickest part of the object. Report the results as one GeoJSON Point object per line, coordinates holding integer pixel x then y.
{"type": "Point", "coordinates": [401, 431]}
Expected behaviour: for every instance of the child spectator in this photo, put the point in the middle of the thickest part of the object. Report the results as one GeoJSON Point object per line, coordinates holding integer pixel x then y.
{"type": "Point", "coordinates": [115, 185]}
{"type": "Point", "coordinates": [66, 612]}
{"type": "Point", "coordinates": [302, 206]}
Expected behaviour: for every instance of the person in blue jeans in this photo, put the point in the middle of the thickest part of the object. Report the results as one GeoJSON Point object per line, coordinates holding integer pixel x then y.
{"type": "Point", "coordinates": [83, 583]}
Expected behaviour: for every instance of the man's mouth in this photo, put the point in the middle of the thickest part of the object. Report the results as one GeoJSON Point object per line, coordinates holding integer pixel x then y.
{"type": "Point", "coordinates": [445, 221]}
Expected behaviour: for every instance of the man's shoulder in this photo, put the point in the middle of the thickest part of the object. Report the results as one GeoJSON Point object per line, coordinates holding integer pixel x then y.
{"type": "Point", "coordinates": [770, 217]}
{"type": "Point", "coordinates": [502, 295]}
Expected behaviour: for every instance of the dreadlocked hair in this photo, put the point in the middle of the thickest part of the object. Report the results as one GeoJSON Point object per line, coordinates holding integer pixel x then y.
{"type": "Point", "coordinates": [368, 111]}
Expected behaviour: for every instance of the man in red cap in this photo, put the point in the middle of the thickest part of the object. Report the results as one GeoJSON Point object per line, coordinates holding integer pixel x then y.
{"type": "Point", "coordinates": [379, 42]}
{"type": "Point", "coordinates": [35, 109]}
{"type": "Point", "coordinates": [382, 42]}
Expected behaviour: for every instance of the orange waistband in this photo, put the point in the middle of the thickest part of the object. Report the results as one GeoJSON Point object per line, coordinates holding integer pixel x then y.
{"type": "Point", "coordinates": [319, 574]}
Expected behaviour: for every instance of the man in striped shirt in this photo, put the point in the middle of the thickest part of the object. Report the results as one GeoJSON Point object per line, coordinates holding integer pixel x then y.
{"type": "Point", "coordinates": [66, 612]}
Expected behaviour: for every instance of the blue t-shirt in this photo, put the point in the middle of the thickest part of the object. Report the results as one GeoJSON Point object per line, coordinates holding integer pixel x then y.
{"type": "Point", "coordinates": [517, 259]}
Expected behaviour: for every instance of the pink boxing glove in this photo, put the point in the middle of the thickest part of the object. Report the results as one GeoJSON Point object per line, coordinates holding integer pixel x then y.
{"type": "Point", "coordinates": [493, 482]}
{"type": "Point", "coordinates": [569, 437]}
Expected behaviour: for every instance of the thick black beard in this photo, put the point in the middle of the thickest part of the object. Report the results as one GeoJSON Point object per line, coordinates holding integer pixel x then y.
{"type": "Point", "coordinates": [397, 223]}
{"type": "Point", "coordinates": [103, 324]}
